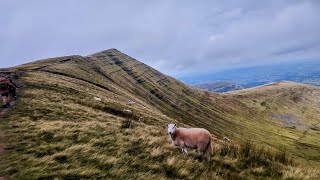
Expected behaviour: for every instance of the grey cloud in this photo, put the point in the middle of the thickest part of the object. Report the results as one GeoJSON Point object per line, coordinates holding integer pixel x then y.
{"type": "Point", "coordinates": [172, 36]}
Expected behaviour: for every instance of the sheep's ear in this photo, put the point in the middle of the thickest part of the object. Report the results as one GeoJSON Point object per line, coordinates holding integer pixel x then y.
{"type": "Point", "coordinates": [167, 125]}
{"type": "Point", "coordinates": [175, 125]}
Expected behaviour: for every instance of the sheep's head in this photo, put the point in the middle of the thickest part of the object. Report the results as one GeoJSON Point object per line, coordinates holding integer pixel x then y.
{"type": "Point", "coordinates": [171, 128]}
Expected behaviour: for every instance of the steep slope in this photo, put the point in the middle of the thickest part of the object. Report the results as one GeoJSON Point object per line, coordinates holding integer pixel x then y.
{"type": "Point", "coordinates": [114, 70]}
{"type": "Point", "coordinates": [73, 112]}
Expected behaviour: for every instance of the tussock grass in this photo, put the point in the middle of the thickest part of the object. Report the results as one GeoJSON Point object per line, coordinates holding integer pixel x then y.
{"type": "Point", "coordinates": [127, 123]}
{"type": "Point", "coordinates": [93, 149]}
{"type": "Point", "coordinates": [259, 159]}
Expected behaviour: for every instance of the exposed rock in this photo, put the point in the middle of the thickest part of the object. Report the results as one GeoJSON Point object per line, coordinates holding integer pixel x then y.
{"type": "Point", "coordinates": [127, 111]}
{"type": "Point", "coordinates": [130, 102]}
{"type": "Point", "coordinates": [226, 139]}
{"type": "Point", "coordinates": [97, 99]}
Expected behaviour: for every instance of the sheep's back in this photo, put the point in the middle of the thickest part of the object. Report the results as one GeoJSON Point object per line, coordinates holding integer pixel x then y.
{"type": "Point", "coordinates": [193, 135]}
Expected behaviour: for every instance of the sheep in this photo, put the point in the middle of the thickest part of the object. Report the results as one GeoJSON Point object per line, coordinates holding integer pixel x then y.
{"type": "Point", "coordinates": [191, 138]}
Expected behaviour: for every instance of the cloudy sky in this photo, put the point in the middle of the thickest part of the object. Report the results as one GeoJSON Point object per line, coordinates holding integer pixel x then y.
{"type": "Point", "coordinates": [176, 37]}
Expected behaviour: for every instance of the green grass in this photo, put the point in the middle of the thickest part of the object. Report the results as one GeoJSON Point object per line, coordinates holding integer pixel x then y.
{"type": "Point", "coordinates": [57, 129]}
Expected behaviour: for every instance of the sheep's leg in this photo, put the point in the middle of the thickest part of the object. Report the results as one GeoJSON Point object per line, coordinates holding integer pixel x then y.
{"type": "Point", "coordinates": [208, 156]}
{"type": "Point", "coordinates": [185, 150]}
{"type": "Point", "coordinates": [200, 151]}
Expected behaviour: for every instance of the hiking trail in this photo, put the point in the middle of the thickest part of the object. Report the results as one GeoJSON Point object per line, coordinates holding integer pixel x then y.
{"type": "Point", "coordinates": [3, 111]}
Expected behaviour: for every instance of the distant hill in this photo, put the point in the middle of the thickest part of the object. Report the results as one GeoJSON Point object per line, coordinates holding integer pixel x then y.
{"type": "Point", "coordinates": [307, 72]}
{"type": "Point", "coordinates": [104, 116]}
{"type": "Point", "coordinates": [222, 86]}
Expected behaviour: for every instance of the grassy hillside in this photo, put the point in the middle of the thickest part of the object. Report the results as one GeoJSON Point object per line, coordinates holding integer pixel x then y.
{"type": "Point", "coordinates": [294, 110]}
{"type": "Point", "coordinates": [105, 115]}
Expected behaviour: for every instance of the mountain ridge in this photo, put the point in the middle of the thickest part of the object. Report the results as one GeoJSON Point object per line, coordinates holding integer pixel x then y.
{"type": "Point", "coordinates": [69, 87]}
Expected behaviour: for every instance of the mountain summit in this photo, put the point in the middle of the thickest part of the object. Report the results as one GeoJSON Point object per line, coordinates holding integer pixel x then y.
{"type": "Point", "coordinates": [105, 115]}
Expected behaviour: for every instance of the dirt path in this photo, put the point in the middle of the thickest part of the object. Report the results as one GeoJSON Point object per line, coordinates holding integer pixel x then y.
{"type": "Point", "coordinates": [3, 111]}
{"type": "Point", "coordinates": [2, 135]}
{"type": "Point", "coordinates": [1, 143]}
{"type": "Point", "coordinates": [2, 138]}
{"type": "Point", "coordinates": [2, 149]}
